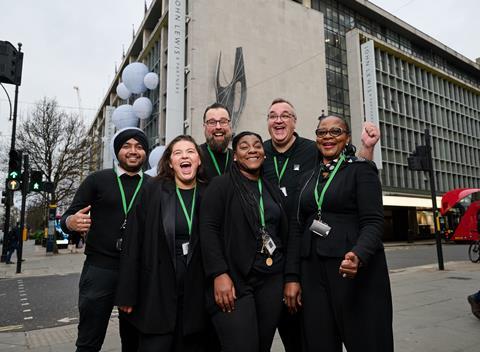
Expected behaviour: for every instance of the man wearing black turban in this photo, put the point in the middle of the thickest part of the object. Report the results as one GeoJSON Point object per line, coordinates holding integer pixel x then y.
{"type": "Point", "coordinates": [100, 209]}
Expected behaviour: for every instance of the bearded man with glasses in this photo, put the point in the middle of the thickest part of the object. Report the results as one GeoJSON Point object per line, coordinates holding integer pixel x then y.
{"type": "Point", "coordinates": [288, 156]}
{"type": "Point", "coordinates": [217, 156]}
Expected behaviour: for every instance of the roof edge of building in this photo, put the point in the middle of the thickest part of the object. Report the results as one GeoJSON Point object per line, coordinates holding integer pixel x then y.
{"type": "Point", "coordinates": [392, 19]}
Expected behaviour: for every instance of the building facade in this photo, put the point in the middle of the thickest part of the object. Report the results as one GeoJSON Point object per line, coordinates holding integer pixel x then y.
{"type": "Point", "coordinates": [317, 54]}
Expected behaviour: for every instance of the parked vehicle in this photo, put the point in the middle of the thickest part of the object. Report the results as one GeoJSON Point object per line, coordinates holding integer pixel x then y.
{"type": "Point", "coordinates": [459, 211]}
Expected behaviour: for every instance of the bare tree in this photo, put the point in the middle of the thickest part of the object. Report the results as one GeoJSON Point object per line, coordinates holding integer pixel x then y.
{"type": "Point", "coordinates": [57, 145]}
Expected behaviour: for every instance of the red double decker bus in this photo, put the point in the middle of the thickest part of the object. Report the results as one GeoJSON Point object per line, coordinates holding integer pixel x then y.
{"type": "Point", "coordinates": [460, 211]}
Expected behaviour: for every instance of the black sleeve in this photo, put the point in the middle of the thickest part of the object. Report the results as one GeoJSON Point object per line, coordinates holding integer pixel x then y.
{"type": "Point", "coordinates": [370, 212]}
{"type": "Point", "coordinates": [292, 265]}
{"type": "Point", "coordinates": [212, 212]}
{"type": "Point", "coordinates": [127, 287]}
{"type": "Point", "coordinates": [83, 197]}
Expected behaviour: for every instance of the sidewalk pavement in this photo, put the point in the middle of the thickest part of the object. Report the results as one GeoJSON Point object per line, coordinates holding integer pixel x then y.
{"type": "Point", "coordinates": [431, 313]}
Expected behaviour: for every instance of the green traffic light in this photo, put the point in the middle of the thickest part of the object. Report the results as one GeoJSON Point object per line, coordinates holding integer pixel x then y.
{"type": "Point", "coordinates": [36, 186]}
{"type": "Point", "coordinates": [13, 174]}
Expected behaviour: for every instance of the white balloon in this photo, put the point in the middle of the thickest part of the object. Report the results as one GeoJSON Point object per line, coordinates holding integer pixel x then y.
{"type": "Point", "coordinates": [123, 92]}
{"type": "Point", "coordinates": [152, 172]}
{"type": "Point", "coordinates": [124, 116]}
{"type": "Point", "coordinates": [155, 156]}
{"type": "Point", "coordinates": [151, 80]}
{"type": "Point", "coordinates": [142, 107]}
{"type": "Point", "coordinates": [133, 76]}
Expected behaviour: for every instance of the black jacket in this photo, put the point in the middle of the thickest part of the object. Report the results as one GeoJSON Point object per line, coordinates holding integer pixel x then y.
{"type": "Point", "coordinates": [352, 207]}
{"type": "Point", "coordinates": [227, 234]}
{"type": "Point", "coordinates": [147, 266]}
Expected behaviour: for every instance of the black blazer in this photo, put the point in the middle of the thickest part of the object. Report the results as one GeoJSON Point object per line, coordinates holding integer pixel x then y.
{"type": "Point", "coordinates": [227, 235]}
{"type": "Point", "coordinates": [147, 266]}
{"type": "Point", "coordinates": [352, 207]}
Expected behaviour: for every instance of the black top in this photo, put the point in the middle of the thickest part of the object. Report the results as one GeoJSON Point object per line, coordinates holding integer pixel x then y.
{"type": "Point", "coordinates": [148, 278]}
{"type": "Point", "coordinates": [100, 190]}
{"type": "Point", "coordinates": [209, 166]}
{"type": "Point", "coordinates": [228, 233]}
{"type": "Point", "coordinates": [273, 214]}
{"type": "Point", "coordinates": [181, 224]}
{"type": "Point", "coordinates": [302, 157]}
{"type": "Point", "coordinates": [352, 207]}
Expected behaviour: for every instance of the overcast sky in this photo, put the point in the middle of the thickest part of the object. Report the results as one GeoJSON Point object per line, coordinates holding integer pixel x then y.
{"type": "Point", "coordinates": [77, 43]}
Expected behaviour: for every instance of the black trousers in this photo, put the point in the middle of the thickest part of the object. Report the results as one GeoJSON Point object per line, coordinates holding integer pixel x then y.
{"type": "Point", "coordinates": [289, 329]}
{"type": "Point", "coordinates": [95, 303]}
{"type": "Point", "coordinates": [172, 343]}
{"type": "Point", "coordinates": [357, 312]}
{"type": "Point", "coordinates": [176, 341]}
{"type": "Point", "coordinates": [251, 325]}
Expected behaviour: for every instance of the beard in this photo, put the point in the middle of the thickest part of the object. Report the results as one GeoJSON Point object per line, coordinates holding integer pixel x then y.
{"type": "Point", "coordinates": [218, 146]}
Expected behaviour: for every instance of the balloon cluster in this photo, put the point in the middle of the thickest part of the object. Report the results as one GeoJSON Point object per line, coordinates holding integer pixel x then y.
{"type": "Point", "coordinates": [154, 158]}
{"type": "Point", "coordinates": [136, 79]}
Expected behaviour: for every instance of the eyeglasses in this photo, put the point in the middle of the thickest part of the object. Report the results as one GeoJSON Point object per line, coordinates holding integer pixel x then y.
{"type": "Point", "coordinates": [213, 123]}
{"type": "Point", "coordinates": [334, 132]}
{"type": "Point", "coordinates": [283, 117]}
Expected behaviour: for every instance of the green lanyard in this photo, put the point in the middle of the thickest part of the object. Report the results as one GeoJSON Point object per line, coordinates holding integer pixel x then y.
{"type": "Point", "coordinates": [122, 192]}
{"type": "Point", "coordinates": [260, 205]}
{"type": "Point", "coordinates": [189, 218]}
{"type": "Point", "coordinates": [279, 176]}
{"type": "Point", "coordinates": [215, 160]}
{"type": "Point", "coordinates": [318, 199]}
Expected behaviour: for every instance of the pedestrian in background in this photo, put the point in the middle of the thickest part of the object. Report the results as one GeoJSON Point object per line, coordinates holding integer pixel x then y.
{"type": "Point", "coordinates": [340, 261]}
{"type": "Point", "coordinates": [243, 233]}
{"type": "Point", "coordinates": [161, 284]}
{"type": "Point", "coordinates": [100, 208]}
{"type": "Point", "coordinates": [12, 244]}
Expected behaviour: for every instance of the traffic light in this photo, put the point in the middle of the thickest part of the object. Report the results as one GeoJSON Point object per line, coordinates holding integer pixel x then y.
{"type": "Point", "coordinates": [419, 160]}
{"type": "Point", "coordinates": [11, 62]}
{"type": "Point", "coordinates": [13, 185]}
{"type": "Point", "coordinates": [15, 165]}
{"type": "Point", "coordinates": [48, 187]}
{"type": "Point", "coordinates": [36, 184]}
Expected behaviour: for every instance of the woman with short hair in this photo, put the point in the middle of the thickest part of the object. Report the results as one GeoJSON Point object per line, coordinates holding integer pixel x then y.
{"type": "Point", "coordinates": [340, 260]}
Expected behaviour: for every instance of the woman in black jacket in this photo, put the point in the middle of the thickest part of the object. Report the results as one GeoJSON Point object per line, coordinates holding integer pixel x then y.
{"type": "Point", "coordinates": [336, 238]}
{"type": "Point", "coordinates": [161, 282]}
{"type": "Point", "coordinates": [243, 234]}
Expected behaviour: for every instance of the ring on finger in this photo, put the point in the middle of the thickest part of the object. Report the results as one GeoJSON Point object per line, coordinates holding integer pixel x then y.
{"type": "Point", "coordinates": [344, 275]}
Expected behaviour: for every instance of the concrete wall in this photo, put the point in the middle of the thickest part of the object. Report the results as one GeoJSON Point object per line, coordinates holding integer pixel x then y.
{"type": "Point", "coordinates": [284, 55]}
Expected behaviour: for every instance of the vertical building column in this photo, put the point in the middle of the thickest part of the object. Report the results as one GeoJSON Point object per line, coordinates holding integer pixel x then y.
{"type": "Point", "coordinates": [175, 104]}
{"type": "Point", "coordinates": [355, 89]}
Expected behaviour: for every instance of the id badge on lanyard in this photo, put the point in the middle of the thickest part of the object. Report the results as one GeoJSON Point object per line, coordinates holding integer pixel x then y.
{"type": "Point", "coordinates": [318, 226]}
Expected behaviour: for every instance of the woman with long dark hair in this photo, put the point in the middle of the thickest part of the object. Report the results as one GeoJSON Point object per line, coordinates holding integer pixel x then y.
{"type": "Point", "coordinates": [161, 275]}
{"type": "Point", "coordinates": [243, 234]}
{"type": "Point", "coordinates": [340, 260]}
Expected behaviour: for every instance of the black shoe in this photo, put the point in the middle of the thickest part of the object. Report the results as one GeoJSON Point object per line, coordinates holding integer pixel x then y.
{"type": "Point", "coordinates": [10, 263]}
{"type": "Point", "coordinates": [475, 305]}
